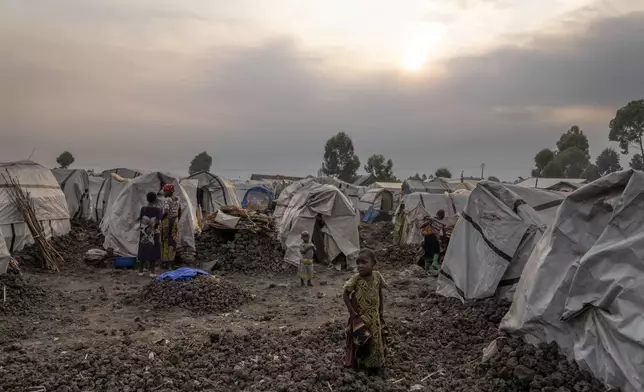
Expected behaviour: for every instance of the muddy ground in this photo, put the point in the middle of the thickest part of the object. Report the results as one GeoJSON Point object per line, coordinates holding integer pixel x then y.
{"type": "Point", "coordinates": [84, 332]}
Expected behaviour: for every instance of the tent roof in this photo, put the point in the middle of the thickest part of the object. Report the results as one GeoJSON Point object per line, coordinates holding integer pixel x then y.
{"type": "Point", "coordinates": [386, 185]}
{"type": "Point", "coordinates": [545, 183]}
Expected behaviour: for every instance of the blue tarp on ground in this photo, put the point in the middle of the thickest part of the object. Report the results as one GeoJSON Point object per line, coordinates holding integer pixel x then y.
{"type": "Point", "coordinates": [256, 192]}
{"type": "Point", "coordinates": [371, 215]}
{"type": "Point", "coordinates": [183, 273]}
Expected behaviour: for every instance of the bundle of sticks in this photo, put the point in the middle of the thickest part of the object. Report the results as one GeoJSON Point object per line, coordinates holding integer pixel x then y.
{"type": "Point", "coordinates": [49, 256]}
{"type": "Point", "coordinates": [248, 220]}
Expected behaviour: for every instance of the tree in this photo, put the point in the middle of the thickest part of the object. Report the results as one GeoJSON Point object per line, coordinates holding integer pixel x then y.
{"type": "Point", "coordinates": [607, 162]}
{"type": "Point", "coordinates": [492, 178]}
{"type": "Point", "coordinates": [553, 170]}
{"type": "Point", "coordinates": [381, 169]}
{"type": "Point", "coordinates": [637, 163]}
{"type": "Point", "coordinates": [628, 126]}
{"type": "Point", "coordinates": [574, 137]}
{"type": "Point", "coordinates": [340, 159]}
{"type": "Point", "coordinates": [591, 173]}
{"type": "Point", "coordinates": [201, 162]}
{"type": "Point", "coordinates": [65, 160]}
{"type": "Point", "coordinates": [443, 172]}
{"type": "Point", "coordinates": [424, 177]}
{"type": "Point", "coordinates": [573, 161]}
{"type": "Point", "coordinates": [542, 159]}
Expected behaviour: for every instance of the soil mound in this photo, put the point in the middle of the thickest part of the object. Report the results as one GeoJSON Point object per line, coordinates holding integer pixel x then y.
{"type": "Point", "coordinates": [204, 294]}
{"type": "Point", "coordinates": [21, 297]}
{"type": "Point", "coordinates": [376, 235]}
{"type": "Point", "coordinates": [403, 255]}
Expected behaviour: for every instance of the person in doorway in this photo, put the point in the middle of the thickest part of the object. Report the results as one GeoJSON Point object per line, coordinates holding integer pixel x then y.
{"type": "Point", "coordinates": [170, 225]}
{"type": "Point", "coordinates": [307, 251]}
{"type": "Point", "coordinates": [432, 230]}
{"type": "Point", "coordinates": [149, 235]}
{"type": "Point", "coordinates": [318, 241]}
{"type": "Point", "coordinates": [365, 334]}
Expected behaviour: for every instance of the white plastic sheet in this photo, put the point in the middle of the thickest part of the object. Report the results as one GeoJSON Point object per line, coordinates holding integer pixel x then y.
{"type": "Point", "coordinates": [75, 186]}
{"type": "Point", "coordinates": [583, 285]}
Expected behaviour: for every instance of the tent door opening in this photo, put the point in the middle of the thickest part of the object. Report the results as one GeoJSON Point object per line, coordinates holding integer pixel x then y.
{"type": "Point", "coordinates": [387, 202]}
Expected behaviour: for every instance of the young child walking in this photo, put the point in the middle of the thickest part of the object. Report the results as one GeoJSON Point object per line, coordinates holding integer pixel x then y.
{"type": "Point", "coordinates": [365, 330]}
{"type": "Point", "coordinates": [307, 251]}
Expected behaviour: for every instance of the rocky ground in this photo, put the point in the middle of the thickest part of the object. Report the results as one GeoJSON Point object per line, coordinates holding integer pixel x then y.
{"type": "Point", "coordinates": [84, 337]}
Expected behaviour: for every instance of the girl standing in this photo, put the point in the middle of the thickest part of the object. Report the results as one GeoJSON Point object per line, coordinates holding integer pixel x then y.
{"type": "Point", "coordinates": [170, 224]}
{"type": "Point", "coordinates": [149, 234]}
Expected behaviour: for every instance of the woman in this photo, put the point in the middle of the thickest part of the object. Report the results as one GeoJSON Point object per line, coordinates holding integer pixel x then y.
{"type": "Point", "coordinates": [170, 224]}
{"type": "Point", "coordinates": [150, 237]}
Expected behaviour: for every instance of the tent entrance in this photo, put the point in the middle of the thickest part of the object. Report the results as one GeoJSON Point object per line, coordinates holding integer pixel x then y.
{"type": "Point", "coordinates": [387, 204]}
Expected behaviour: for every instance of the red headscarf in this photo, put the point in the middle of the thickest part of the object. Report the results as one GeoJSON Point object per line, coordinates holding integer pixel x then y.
{"type": "Point", "coordinates": [168, 188]}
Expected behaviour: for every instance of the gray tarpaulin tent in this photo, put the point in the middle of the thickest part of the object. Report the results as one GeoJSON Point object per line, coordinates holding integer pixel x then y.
{"type": "Point", "coordinates": [489, 247]}
{"type": "Point", "coordinates": [418, 205]}
{"type": "Point", "coordinates": [583, 285]}
{"type": "Point", "coordinates": [104, 189]}
{"type": "Point", "coordinates": [48, 200]}
{"type": "Point", "coordinates": [121, 226]}
{"type": "Point", "coordinates": [75, 186]}
{"type": "Point", "coordinates": [340, 232]}
{"type": "Point", "coordinates": [213, 192]}
{"type": "Point", "coordinates": [380, 204]}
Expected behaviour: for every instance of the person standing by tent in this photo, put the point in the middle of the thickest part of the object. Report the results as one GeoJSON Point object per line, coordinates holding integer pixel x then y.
{"type": "Point", "coordinates": [432, 230]}
{"type": "Point", "coordinates": [307, 251]}
{"type": "Point", "coordinates": [149, 234]}
{"type": "Point", "coordinates": [170, 225]}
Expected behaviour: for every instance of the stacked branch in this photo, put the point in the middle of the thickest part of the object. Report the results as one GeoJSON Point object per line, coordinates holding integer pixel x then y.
{"type": "Point", "coordinates": [21, 200]}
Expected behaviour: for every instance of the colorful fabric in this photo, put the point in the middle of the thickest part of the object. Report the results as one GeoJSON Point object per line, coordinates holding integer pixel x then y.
{"type": "Point", "coordinates": [183, 273]}
{"type": "Point", "coordinates": [169, 232]}
{"type": "Point", "coordinates": [171, 206]}
{"type": "Point", "coordinates": [168, 188]}
{"type": "Point", "coordinates": [305, 269]}
{"type": "Point", "coordinates": [357, 336]}
{"type": "Point", "coordinates": [150, 233]}
{"type": "Point", "coordinates": [365, 294]}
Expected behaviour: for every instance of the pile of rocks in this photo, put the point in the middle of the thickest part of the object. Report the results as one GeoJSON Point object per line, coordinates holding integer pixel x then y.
{"type": "Point", "coordinates": [245, 252]}
{"type": "Point", "coordinates": [204, 294]}
{"type": "Point", "coordinates": [21, 297]}
{"type": "Point", "coordinates": [376, 235]}
{"type": "Point", "coordinates": [398, 256]}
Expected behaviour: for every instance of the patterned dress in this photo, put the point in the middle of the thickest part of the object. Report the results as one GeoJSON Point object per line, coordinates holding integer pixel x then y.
{"type": "Point", "coordinates": [365, 294]}
{"type": "Point", "coordinates": [150, 233]}
{"type": "Point", "coordinates": [169, 228]}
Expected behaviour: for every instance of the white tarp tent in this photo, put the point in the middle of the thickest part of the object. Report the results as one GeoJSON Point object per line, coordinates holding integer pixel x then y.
{"type": "Point", "coordinates": [284, 199]}
{"type": "Point", "coordinates": [5, 256]}
{"type": "Point", "coordinates": [75, 186]}
{"type": "Point", "coordinates": [353, 192]}
{"type": "Point", "coordinates": [48, 199]}
{"type": "Point", "coordinates": [213, 192]}
{"type": "Point", "coordinates": [382, 201]}
{"type": "Point", "coordinates": [491, 244]}
{"type": "Point", "coordinates": [418, 205]}
{"type": "Point", "coordinates": [121, 226]}
{"type": "Point", "coordinates": [340, 232]}
{"type": "Point", "coordinates": [108, 189]}
{"type": "Point", "coordinates": [583, 286]}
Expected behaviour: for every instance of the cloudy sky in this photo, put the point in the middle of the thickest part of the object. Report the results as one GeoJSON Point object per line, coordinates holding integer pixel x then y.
{"type": "Point", "coordinates": [261, 84]}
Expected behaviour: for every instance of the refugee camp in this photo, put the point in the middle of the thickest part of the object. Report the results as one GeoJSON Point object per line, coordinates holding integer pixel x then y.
{"type": "Point", "coordinates": [300, 196]}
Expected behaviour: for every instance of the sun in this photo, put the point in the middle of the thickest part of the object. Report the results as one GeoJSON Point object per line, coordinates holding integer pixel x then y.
{"type": "Point", "coordinates": [414, 60]}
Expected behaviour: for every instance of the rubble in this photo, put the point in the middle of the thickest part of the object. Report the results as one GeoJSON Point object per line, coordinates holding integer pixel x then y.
{"type": "Point", "coordinates": [377, 235]}
{"type": "Point", "coordinates": [21, 297]}
{"type": "Point", "coordinates": [204, 294]}
{"type": "Point", "coordinates": [399, 255]}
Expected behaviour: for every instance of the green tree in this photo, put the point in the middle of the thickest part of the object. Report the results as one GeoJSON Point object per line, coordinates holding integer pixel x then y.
{"type": "Point", "coordinates": [574, 137]}
{"type": "Point", "coordinates": [590, 173]}
{"type": "Point", "coordinates": [542, 159]}
{"type": "Point", "coordinates": [340, 160]}
{"type": "Point", "coordinates": [553, 170]}
{"type": "Point", "coordinates": [573, 161]}
{"type": "Point", "coordinates": [201, 162]}
{"type": "Point", "coordinates": [637, 163]}
{"type": "Point", "coordinates": [443, 172]}
{"type": "Point", "coordinates": [492, 178]}
{"type": "Point", "coordinates": [424, 177]}
{"type": "Point", "coordinates": [628, 126]}
{"type": "Point", "coordinates": [65, 160]}
{"type": "Point", "coordinates": [607, 162]}
{"type": "Point", "coordinates": [380, 168]}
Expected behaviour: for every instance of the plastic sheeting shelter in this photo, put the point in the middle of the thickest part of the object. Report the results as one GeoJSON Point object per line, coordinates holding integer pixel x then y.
{"type": "Point", "coordinates": [75, 186]}
{"type": "Point", "coordinates": [340, 232]}
{"type": "Point", "coordinates": [490, 246]}
{"type": "Point", "coordinates": [48, 200]}
{"type": "Point", "coordinates": [121, 226]}
{"type": "Point", "coordinates": [260, 196]}
{"type": "Point", "coordinates": [377, 204]}
{"type": "Point", "coordinates": [419, 205]}
{"type": "Point", "coordinates": [103, 190]}
{"type": "Point", "coordinates": [436, 185]}
{"type": "Point", "coordinates": [5, 256]}
{"type": "Point", "coordinates": [213, 192]}
{"type": "Point", "coordinates": [583, 286]}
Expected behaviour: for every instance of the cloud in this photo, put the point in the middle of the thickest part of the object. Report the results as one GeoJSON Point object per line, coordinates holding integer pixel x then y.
{"type": "Point", "coordinates": [271, 106]}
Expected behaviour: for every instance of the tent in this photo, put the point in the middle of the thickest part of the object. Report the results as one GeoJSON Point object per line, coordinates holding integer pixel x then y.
{"type": "Point", "coordinates": [104, 189]}
{"type": "Point", "coordinates": [258, 195]}
{"type": "Point", "coordinates": [583, 286]}
{"type": "Point", "coordinates": [435, 185]}
{"type": "Point", "coordinates": [241, 187]}
{"type": "Point", "coordinates": [5, 256]}
{"type": "Point", "coordinates": [75, 186]}
{"type": "Point", "coordinates": [213, 192]}
{"type": "Point", "coordinates": [340, 232]}
{"type": "Point", "coordinates": [121, 226]}
{"type": "Point", "coordinates": [418, 205]}
{"type": "Point", "coordinates": [353, 192]}
{"type": "Point", "coordinates": [489, 247]}
{"type": "Point", "coordinates": [285, 196]}
{"type": "Point", "coordinates": [377, 204]}
{"type": "Point", "coordinates": [48, 199]}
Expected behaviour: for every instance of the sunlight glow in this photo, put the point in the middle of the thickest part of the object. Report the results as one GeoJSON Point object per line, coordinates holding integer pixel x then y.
{"type": "Point", "coordinates": [424, 43]}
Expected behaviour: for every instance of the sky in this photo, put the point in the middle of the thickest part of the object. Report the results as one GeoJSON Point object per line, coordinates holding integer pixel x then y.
{"type": "Point", "coordinates": [262, 84]}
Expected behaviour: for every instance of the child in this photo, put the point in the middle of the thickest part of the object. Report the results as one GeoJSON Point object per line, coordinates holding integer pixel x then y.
{"type": "Point", "coordinates": [363, 297]}
{"type": "Point", "coordinates": [307, 251]}
{"type": "Point", "coordinates": [150, 234]}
